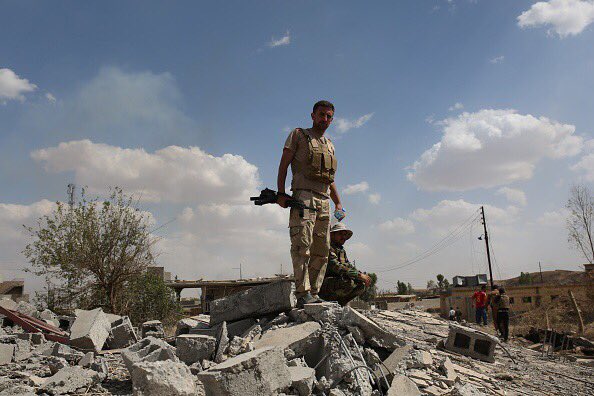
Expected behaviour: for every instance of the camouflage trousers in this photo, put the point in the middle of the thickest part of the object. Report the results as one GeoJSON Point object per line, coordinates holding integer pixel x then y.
{"type": "Point", "coordinates": [341, 289]}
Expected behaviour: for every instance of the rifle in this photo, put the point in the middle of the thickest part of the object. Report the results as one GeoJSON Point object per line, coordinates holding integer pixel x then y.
{"type": "Point", "coordinates": [268, 196]}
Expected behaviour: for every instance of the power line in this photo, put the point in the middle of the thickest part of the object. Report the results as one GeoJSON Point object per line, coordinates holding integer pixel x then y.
{"type": "Point", "coordinates": [443, 243]}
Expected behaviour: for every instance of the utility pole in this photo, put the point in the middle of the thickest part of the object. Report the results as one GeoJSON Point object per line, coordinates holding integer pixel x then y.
{"type": "Point", "coordinates": [240, 273]}
{"type": "Point", "coordinates": [71, 188]}
{"type": "Point", "coordinates": [487, 244]}
{"type": "Point", "coordinates": [540, 270]}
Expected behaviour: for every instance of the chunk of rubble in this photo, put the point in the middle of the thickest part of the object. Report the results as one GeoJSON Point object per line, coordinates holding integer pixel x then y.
{"type": "Point", "coordinates": [6, 353]}
{"type": "Point", "coordinates": [466, 390]}
{"type": "Point", "coordinates": [90, 330]}
{"type": "Point", "coordinates": [302, 379]}
{"type": "Point", "coordinates": [448, 370]}
{"type": "Point", "coordinates": [255, 302]}
{"type": "Point", "coordinates": [71, 379]}
{"type": "Point", "coordinates": [403, 386]}
{"type": "Point", "coordinates": [162, 378]}
{"type": "Point", "coordinates": [148, 349]}
{"type": "Point", "coordinates": [26, 308]}
{"type": "Point", "coordinates": [49, 317]}
{"type": "Point", "coordinates": [374, 334]}
{"type": "Point", "coordinates": [152, 328]}
{"type": "Point", "coordinates": [8, 303]}
{"type": "Point", "coordinates": [327, 312]}
{"type": "Point", "coordinates": [419, 359]}
{"type": "Point", "coordinates": [122, 334]}
{"type": "Point", "coordinates": [192, 348]}
{"type": "Point", "coordinates": [298, 338]}
{"type": "Point", "coordinates": [222, 343]}
{"type": "Point", "coordinates": [56, 364]}
{"type": "Point", "coordinates": [392, 362]}
{"type": "Point", "coordinates": [32, 338]}
{"type": "Point", "coordinates": [64, 351]}
{"type": "Point", "coordinates": [259, 372]}
{"type": "Point", "coordinates": [185, 325]}
{"type": "Point", "coordinates": [470, 342]}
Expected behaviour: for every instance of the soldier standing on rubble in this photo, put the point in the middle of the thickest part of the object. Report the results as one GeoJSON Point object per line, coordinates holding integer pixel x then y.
{"type": "Point", "coordinates": [313, 165]}
{"type": "Point", "coordinates": [502, 303]}
{"type": "Point", "coordinates": [343, 282]}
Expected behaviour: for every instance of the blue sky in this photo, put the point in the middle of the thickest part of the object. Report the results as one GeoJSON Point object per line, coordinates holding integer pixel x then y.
{"type": "Point", "coordinates": [91, 92]}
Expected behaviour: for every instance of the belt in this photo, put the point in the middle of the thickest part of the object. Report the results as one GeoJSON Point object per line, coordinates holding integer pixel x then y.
{"type": "Point", "coordinates": [312, 191]}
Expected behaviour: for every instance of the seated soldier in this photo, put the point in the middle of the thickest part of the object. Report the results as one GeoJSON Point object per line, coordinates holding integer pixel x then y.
{"type": "Point", "coordinates": [343, 282]}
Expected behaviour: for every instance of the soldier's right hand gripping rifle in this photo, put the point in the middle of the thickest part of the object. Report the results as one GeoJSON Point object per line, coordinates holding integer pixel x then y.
{"type": "Point", "coordinates": [268, 196]}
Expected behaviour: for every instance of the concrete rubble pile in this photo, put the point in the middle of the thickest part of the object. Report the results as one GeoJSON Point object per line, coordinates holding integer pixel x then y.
{"type": "Point", "coordinates": [249, 349]}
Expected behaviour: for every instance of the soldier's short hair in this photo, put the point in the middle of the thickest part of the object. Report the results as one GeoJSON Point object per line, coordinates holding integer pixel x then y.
{"type": "Point", "coordinates": [323, 103]}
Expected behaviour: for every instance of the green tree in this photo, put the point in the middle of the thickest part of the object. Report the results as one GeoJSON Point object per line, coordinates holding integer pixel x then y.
{"type": "Point", "coordinates": [371, 291]}
{"type": "Point", "coordinates": [88, 253]}
{"type": "Point", "coordinates": [440, 279]}
{"type": "Point", "coordinates": [150, 298]}
{"type": "Point", "coordinates": [409, 289]}
{"type": "Point", "coordinates": [402, 287]}
{"type": "Point", "coordinates": [525, 278]}
{"type": "Point", "coordinates": [431, 285]}
{"type": "Point", "coordinates": [446, 284]}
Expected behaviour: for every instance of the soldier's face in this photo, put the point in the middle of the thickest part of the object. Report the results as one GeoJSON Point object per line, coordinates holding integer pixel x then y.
{"type": "Point", "coordinates": [339, 237]}
{"type": "Point", "coordinates": [322, 118]}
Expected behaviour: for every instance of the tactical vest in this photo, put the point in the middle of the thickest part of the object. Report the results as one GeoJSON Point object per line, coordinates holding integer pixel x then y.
{"type": "Point", "coordinates": [322, 163]}
{"type": "Point", "coordinates": [503, 302]}
{"type": "Point", "coordinates": [342, 257]}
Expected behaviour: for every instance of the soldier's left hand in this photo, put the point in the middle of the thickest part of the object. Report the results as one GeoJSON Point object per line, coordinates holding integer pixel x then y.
{"type": "Point", "coordinates": [366, 279]}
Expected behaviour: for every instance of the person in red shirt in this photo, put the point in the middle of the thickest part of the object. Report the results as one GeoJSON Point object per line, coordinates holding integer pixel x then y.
{"type": "Point", "coordinates": [480, 304]}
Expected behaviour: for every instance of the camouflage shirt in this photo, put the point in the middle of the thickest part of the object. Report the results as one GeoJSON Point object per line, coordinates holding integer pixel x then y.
{"type": "Point", "coordinates": [338, 263]}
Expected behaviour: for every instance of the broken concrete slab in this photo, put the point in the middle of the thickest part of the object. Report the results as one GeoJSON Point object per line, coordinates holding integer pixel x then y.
{"type": "Point", "coordinates": [448, 370]}
{"type": "Point", "coordinates": [7, 353]}
{"type": "Point", "coordinates": [327, 312]}
{"type": "Point", "coordinates": [402, 386]}
{"type": "Point", "coordinates": [192, 348]}
{"type": "Point", "coordinates": [419, 359]}
{"type": "Point", "coordinates": [258, 301]}
{"type": "Point", "coordinates": [26, 308]}
{"type": "Point", "coordinates": [298, 338]}
{"type": "Point", "coordinates": [185, 325]}
{"type": "Point", "coordinates": [152, 328]}
{"type": "Point", "coordinates": [393, 361]}
{"type": "Point", "coordinates": [162, 378]}
{"type": "Point", "coordinates": [122, 334]}
{"type": "Point", "coordinates": [90, 330]}
{"type": "Point", "coordinates": [375, 335]}
{"type": "Point", "coordinates": [8, 303]}
{"type": "Point", "coordinates": [148, 349]}
{"type": "Point", "coordinates": [302, 379]}
{"type": "Point", "coordinates": [64, 351]}
{"type": "Point", "coordinates": [469, 342]}
{"type": "Point", "coordinates": [70, 379]}
{"type": "Point", "coordinates": [240, 327]}
{"type": "Point", "coordinates": [259, 372]}
{"type": "Point", "coordinates": [222, 343]}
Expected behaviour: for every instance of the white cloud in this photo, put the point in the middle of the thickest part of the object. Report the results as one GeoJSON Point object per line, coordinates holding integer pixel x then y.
{"type": "Point", "coordinates": [343, 125]}
{"type": "Point", "coordinates": [497, 59]}
{"type": "Point", "coordinates": [374, 198]}
{"type": "Point", "coordinates": [513, 195]}
{"type": "Point", "coordinates": [555, 218]}
{"type": "Point", "coordinates": [491, 148]}
{"type": "Point", "coordinates": [398, 226]}
{"type": "Point", "coordinates": [448, 214]}
{"type": "Point", "coordinates": [356, 188]}
{"type": "Point", "coordinates": [51, 98]}
{"type": "Point", "coordinates": [175, 174]}
{"type": "Point", "coordinates": [585, 165]}
{"type": "Point", "coordinates": [284, 40]}
{"type": "Point", "coordinates": [457, 106]}
{"type": "Point", "coordinates": [12, 87]}
{"type": "Point", "coordinates": [566, 17]}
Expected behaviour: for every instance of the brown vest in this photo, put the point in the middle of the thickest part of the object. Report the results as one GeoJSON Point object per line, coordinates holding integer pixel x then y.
{"type": "Point", "coordinates": [322, 163]}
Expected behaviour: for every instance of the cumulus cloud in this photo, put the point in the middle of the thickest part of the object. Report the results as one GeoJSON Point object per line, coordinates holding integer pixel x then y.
{"type": "Point", "coordinates": [374, 198]}
{"type": "Point", "coordinates": [398, 226]}
{"type": "Point", "coordinates": [513, 195]}
{"type": "Point", "coordinates": [497, 59]}
{"type": "Point", "coordinates": [585, 166]}
{"type": "Point", "coordinates": [491, 148]}
{"type": "Point", "coordinates": [456, 106]}
{"type": "Point", "coordinates": [12, 87]}
{"type": "Point", "coordinates": [343, 125]}
{"type": "Point", "coordinates": [447, 214]}
{"type": "Point", "coordinates": [356, 188]}
{"type": "Point", "coordinates": [175, 174]}
{"type": "Point", "coordinates": [565, 17]}
{"type": "Point", "coordinates": [277, 42]}
{"type": "Point", "coordinates": [555, 218]}
{"type": "Point", "coordinates": [51, 98]}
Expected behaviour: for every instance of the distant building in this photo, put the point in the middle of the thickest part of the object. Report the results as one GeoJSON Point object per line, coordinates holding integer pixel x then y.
{"type": "Point", "coordinates": [469, 281]}
{"type": "Point", "coordinates": [160, 272]}
{"type": "Point", "coordinates": [14, 290]}
{"type": "Point", "coordinates": [523, 297]}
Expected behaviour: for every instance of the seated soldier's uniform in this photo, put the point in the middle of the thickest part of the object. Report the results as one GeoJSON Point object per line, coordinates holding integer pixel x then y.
{"type": "Point", "coordinates": [342, 282]}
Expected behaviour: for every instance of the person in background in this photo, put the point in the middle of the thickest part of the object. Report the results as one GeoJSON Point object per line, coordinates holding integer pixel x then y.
{"type": "Point", "coordinates": [502, 303]}
{"type": "Point", "coordinates": [458, 315]}
{"type": "Point", "coordinates": [452, 314]}
{"type": "Point", "coordinates": [480, 304]}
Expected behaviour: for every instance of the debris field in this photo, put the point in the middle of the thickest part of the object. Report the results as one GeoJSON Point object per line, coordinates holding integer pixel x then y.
{"type": "Point", "coordinates": [257, 343]}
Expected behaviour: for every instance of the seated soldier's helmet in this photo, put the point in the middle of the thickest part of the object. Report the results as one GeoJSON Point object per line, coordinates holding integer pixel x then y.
{"type": "Point", "coordinates": [342, 227]}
